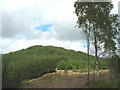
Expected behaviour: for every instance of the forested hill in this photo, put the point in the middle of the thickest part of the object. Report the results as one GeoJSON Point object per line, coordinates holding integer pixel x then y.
{"type": "Point", "coordinates": [47, 50]}
{"type": "Point", "coordinates": [37, 60]}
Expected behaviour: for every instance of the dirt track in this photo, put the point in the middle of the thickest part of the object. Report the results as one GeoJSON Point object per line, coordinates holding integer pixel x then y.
{"type": "Point", "coordinates": [61, 81]}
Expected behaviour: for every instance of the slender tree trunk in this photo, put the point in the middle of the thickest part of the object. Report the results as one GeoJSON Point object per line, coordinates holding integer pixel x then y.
{"type": "Point", "coordinates": [96, 59]}
{"type": "Point", "coordinates": [66, 72]}
{"type": "Point", "coordinates": [111, 70]}
{"type": "Point", "coordinates": [88, 59]}
{"type": "Point", "coordinates": [94, 73]}
{"type": "Point", "coordinates": [96, 54]}
{"type": "Point", "coordinates": [88, 47]}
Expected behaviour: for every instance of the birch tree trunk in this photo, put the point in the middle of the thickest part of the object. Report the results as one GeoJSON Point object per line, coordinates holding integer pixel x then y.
{"type": "Point", "coordinates": [96, 59]}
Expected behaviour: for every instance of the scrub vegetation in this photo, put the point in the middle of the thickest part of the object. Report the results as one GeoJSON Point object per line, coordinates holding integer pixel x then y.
{"type": "Point", "coordinates": [38, 60]}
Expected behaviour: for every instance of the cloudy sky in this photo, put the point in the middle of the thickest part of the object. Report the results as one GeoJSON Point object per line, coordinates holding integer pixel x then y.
{"type": "Point", "coordinates": [41, 22]}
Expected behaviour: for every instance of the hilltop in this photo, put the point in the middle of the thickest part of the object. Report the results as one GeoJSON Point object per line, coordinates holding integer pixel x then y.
{"type": "Point", "coordinates": [37, 60]}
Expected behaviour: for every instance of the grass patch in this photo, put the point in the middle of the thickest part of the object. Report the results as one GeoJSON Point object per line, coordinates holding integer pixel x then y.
{"type": "Point", "coordinates": [24, 83]}
{"type": "Point", "coordinates": [104, 84]}
{"type": "Point", "coordinates": [49, 80]}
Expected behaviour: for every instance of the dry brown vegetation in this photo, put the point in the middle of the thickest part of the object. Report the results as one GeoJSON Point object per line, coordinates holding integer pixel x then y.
{"type": "Point", "coordinates": [74, 80]}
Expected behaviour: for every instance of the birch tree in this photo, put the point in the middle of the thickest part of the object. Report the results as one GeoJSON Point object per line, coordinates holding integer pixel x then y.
{"type": "Point", "coordinates": [99, 27]}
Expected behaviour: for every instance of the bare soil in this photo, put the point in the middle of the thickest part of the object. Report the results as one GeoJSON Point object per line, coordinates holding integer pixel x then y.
{"type": "Point", "coordinates": [54, 80]}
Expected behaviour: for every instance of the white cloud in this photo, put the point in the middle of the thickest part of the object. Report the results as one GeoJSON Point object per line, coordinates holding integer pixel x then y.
{"type": "Point", "coordinates": [21, 16]}
{"type": "Point", "coordinates": [115, 9]}
{"type": "Point", "coordinates": [20, 21]}
{"type": "Point", "coordinates": [10, 5]}
{"type": "Point", "coordinates": [9, 45]}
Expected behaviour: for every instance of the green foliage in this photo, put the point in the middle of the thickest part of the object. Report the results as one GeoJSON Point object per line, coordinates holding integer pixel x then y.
{"type": "Point", "coordinates": [70, 65]}
{"type": "Point", "coordinates": [77, 64]}
{"type": "Point", "coordinates": [100, 27]}
{"type": "Point", "coordinates": [104, 84]}
{"type": "Point", "coordinates": [114, 61]}
{"type": "Point", "coordinates": [37, 60]}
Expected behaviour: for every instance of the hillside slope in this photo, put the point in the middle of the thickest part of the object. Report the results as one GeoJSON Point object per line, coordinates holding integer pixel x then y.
{"type": "Point", "coordinates": [38, 60]}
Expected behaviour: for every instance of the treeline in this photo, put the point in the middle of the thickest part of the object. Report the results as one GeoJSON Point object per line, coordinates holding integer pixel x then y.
{"type": "Point", "coordinates": [81, 64]}
{"type": "Point", "coordinates": [37, 60]}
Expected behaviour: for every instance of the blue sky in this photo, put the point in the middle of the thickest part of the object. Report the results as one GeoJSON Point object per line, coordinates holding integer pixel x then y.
{"type": "Point", "coordinates": [30, 22]}
{"type": "Point", "coordinates": [44, 28]}
{"type": "Point", "coordinates": [84, 44]}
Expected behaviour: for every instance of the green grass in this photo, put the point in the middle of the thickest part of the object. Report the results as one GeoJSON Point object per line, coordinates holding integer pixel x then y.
{"type": "Point", "coordinates": [104, 84]}
{"type": "Point", "coordinates": [24, 83]}
{"type": "Point", "coordinates": [49, 80]}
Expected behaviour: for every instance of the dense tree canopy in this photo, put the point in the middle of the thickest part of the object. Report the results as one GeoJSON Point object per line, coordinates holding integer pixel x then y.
{"type": "Point", "coordinates": [99, 25]}
{"type": "Point", "coordinates": [38, 60]}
